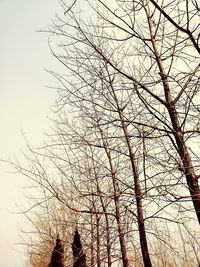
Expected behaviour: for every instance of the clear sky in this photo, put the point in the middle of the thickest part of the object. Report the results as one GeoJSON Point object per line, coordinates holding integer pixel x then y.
{"type": "Point", "coordinates": [24, 104]}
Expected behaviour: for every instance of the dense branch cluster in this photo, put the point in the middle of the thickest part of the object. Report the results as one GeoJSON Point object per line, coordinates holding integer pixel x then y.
{"type": "Point", "coordinates": [123, 159]}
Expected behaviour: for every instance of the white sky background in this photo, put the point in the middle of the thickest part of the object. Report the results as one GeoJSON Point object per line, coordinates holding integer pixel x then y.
{"type": "Point", "coordinates": [24, 104]}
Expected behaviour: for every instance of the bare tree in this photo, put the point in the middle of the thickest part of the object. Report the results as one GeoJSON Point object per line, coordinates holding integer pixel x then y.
{"type": "Point", "coordinates": [146, 46]}
{"type": "Point", "coordinates": [122, 155]}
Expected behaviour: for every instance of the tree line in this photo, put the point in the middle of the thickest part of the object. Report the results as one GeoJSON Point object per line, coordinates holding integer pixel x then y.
{"type": "Point", "coordinates": [122, 160]}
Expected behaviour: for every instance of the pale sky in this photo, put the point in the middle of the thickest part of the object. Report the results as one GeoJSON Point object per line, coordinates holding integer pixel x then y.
{"type": "Point", "coordinates": [25, 101]}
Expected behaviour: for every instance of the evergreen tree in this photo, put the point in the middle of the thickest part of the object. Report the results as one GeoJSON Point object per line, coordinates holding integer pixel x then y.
{"type": "Point", "coordinates": [78, 254]}
{"type": "Point", "coordinates": [57, 257]}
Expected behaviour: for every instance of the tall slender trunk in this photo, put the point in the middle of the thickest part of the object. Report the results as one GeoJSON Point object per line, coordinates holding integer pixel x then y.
{"type": "Point", "coordinates": [108, 240]}
{"type": "Point", "coordinates": [118, 218]}
{"type": "Point", "coordinates": [97, 227]}
{"type": "Point", "coordinates": [92, 263]}
{"type": "Point", "coordinates": [137, 187]}
{"type": "Point", "coordinates": [120, 224]}
{"type": "Point", "coordinates": [188, 169]}
{"type": "Point", "coordinates": [98, 240]}
{"type": "Point", "coordinates": [138, 196]}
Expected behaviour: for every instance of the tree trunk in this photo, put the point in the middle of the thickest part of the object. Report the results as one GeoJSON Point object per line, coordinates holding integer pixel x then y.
{"type": "Point", "coordinates": [188, 169]}
{"type": "Point", "coordinates": [138, 193]}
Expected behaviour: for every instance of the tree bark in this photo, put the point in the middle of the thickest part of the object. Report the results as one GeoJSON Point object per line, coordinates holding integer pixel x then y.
{"type": "Point", "coordinates": [188, 169]}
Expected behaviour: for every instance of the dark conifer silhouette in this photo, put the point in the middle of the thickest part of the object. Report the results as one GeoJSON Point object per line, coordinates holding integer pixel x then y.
{"type": "Point", "coordinates": [57, 257]}
{"type": "Point", "coordinates": [79, 256]}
